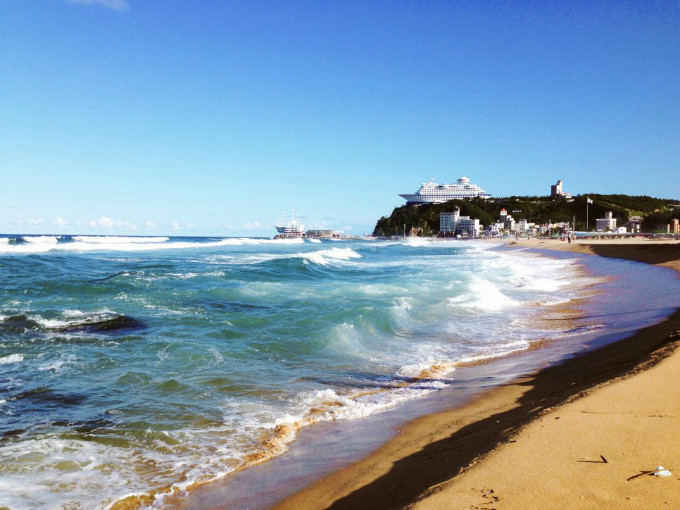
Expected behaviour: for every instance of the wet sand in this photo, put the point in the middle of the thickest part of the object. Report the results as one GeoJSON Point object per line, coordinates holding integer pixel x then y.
{"type": "Point", "coordinates": [575, 435]}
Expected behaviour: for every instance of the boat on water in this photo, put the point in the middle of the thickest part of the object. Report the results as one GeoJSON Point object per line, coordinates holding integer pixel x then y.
{"type": "Point", "coordinates": [433, 193]}
{"type": "Point", "coordinates": [290, 230]}
{"type": "Point", "coordinates": [293, 229]}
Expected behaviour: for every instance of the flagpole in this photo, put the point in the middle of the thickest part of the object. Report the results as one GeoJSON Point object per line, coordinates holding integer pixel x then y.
{"type": "Point", "coordinates": [588, 202]}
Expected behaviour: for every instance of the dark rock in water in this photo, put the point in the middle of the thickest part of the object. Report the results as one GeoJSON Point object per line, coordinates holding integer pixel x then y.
{"type": "Point", "coordinates": [103, 325]}
{"type": "Point", "coordinates": [12, 433]}
{"type": "Point", "coordinates": [18, 324]}
{"type": "Point", "coordinates": [51, 398]}
{"type": "Point", "coordinates": [100, 323]}
{"type": "Point", "coordinates": [83, 427]}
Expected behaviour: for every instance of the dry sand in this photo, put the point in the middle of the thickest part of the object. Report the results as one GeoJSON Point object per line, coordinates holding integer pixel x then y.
{"type": "Point", "coordinates": [575, 435]}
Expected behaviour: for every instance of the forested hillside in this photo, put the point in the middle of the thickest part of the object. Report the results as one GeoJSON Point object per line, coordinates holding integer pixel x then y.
{"type": "Point", "coordinates": [656, 212]}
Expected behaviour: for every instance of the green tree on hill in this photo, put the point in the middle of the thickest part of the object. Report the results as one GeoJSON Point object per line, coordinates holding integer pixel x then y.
{"type": "Point", "coordinates": [424, 219]}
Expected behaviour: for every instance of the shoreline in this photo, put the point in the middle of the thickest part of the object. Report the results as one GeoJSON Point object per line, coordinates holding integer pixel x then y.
{"type": "Point", "coordinates": [442, 460]}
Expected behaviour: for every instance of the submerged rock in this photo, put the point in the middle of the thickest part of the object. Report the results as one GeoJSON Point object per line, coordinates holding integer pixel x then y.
{"type": "Point", "coordinates": [103, 325]}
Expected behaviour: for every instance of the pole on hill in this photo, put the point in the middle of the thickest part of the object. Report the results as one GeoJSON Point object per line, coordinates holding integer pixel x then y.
{"type": "Point", "coordinates": [588, 201]}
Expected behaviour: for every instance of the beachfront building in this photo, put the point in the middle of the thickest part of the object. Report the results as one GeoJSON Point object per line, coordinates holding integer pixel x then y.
{"type": "Point", "coordinates": [606, 224]}
{"type": "Point", "coordinates": [549, 228]}
{"type": "Point", "coordinates": [494, 230]}
{"type": "Point", "coordinates": [453, 224]}
{"type": "Point", "coordinates": [505, 223]}
{"type": "Point", "coordinates": [524, 227]}
{"type": "Point", "coordinates": [634, 223]}
{"type": "Point", "coordinates": [507, 220]}
{"type": "Point", "coordinates": [557, 193]}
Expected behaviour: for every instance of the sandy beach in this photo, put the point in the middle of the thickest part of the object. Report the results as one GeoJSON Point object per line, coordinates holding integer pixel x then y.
{"type": "Point", "coordinates": [587, 433]}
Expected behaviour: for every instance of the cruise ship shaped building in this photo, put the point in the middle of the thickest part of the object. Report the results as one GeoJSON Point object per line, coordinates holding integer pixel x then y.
{"type": "Point", "coordinates": [433, 193]}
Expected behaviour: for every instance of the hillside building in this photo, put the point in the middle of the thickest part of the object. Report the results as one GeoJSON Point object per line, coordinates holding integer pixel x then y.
{"type": "Point", "coordinates": [556, 191]}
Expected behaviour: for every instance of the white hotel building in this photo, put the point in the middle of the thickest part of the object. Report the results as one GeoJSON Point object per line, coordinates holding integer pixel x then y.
{"type": "Point", "coordinates": [452, 223]}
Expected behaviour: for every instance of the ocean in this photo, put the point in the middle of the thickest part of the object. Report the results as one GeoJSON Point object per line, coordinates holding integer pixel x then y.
{"type": "Point", "coordinates": [133, 366]}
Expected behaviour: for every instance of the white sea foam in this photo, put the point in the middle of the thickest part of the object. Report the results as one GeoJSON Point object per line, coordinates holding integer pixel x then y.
{"type": "Point", "coordinates": [58, 364]}
{"type": "Point", "coordinates": [417, 241]}
{"type": "Point", "coordinates": [424, 365]}
{"type": "Point", "coordinates": [77, 313]}
{"type": "Point", "coordinates": [483, 295]}
{"type": "Point", "coordinates": [40, 239]}
{"type": "Point", "coordinates": [546, 284]}
{"type": "Point", "coordinates": [12, 358]}
{"type": "Point", "coordinates": [42, 244]}
{"type": "Point", "coordinates": [330, 405]}
{"type": "Point", "coordinates": [216, 354]}
{"type": "Point", "coordinates": [345, 339]}
{"type": "Point", "coordinates": [50, 323]}
{"type": "Point", "coordinates": [325, 257]}
{"type": "Point", "coordinates": [87, 474]}
{"type": "Point", "coordinates": [27, 248]}
{"type": "Point", "coordinates": [70, 318]}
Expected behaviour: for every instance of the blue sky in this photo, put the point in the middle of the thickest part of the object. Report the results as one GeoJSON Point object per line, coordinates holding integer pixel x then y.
{"type": "Point", "coordinates": [216, 117]}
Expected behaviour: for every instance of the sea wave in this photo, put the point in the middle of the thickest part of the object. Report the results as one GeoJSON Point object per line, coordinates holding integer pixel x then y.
{"type": "Point", "coordinates": [268, 432]}
{"type": "Point", "coordinates": [483, 295]}
{"type": "Point", "coordinates": [43, 244]}
{"type": "Point", "coordinates": [326, 257]}
{"type": "Point", "coordinates": [40, 239]}
{"type": "Point", "coordinates": [12, 358]}
{"type": "Point", "coordinates": [309, 332]}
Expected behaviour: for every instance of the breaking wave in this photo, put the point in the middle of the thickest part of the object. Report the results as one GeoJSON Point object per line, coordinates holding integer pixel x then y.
{"type": "Point", "coordinates": [43, 244]}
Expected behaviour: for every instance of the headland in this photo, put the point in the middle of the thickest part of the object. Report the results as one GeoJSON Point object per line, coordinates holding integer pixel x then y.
{"type": "Point", "coordinates": [587, 433]}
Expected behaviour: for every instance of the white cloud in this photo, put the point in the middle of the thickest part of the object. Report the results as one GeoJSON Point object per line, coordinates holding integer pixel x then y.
{"type": "Point", "coordinates": [32, 221]}
{"type": "Point", "coordinates": [61, 222]}
{"type": "Point", "coordinates": [176, 225]}
{"type": "Point", "coordinates": [107, 222]}
{"type": "Point", "coordinates": [116, 5]}
{"type": "Point", "coordinates": [251, 225]}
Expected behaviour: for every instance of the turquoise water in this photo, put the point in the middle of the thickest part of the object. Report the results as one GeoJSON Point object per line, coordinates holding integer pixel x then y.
{"type": "Point", "coordinates": [134, 364]}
